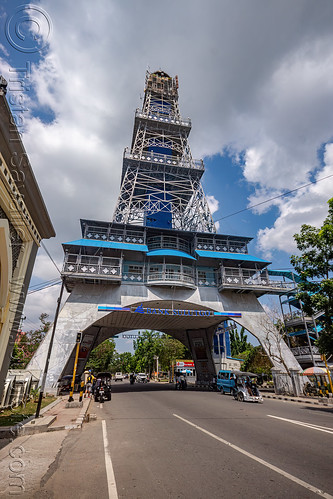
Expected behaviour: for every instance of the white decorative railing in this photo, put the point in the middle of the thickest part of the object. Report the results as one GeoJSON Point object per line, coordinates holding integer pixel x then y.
{"type": "Point", "coordinates": [249, 278]}
{"type": "Point", "coordinates": [177, 243]}
{"type": "Point", "coordinates": [133, 276]}
{"type": "Point", "coordinates": [224, 246]}
{"type": "Point", "coordinates": [94, 266]}
{"type": "Point", "coordinates": [112, 234]}
{"type": "Point", "coordinates": [304, 350]}
{"type": "Point", "coordinates": [154, 157]}
{"type": "Point", "coordinates": [168, 277]}
{"type": "Point", "coordinates": [156, 116]}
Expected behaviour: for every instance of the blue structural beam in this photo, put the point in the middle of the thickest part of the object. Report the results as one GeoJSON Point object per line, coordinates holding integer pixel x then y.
{"type": "Point", "coordinates": [108, 244]}
{"type": "Point", "coordinates": [230, 256]}
{"type": "Point", "coordinates": [301, 333]}
{"type": "Point", "coordinates": [290, 275]}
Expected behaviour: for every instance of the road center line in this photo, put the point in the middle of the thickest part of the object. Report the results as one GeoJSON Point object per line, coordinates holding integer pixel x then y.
{"type": "Point", "coordinates": [308, 425]}
{"type": "Point", "coordinates": [112, 487]}
{"type": "Point", "coordinates": [259, 460]}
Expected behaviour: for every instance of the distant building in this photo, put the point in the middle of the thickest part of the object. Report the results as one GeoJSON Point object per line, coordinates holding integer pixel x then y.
{"type": "Point", "coordinates": [222, 349]}
{"type": "Point", "coordinates": [185, 366]}
{"type": "Point", "coordinates": [24, 222]}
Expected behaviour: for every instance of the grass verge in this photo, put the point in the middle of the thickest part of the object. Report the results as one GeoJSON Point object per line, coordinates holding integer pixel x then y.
{"type": "Point", "coordinates": [10, 417]}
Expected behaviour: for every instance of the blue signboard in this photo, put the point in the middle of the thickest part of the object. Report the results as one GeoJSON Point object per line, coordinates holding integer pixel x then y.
{"type": "Point", "coordinates": [168, 311]}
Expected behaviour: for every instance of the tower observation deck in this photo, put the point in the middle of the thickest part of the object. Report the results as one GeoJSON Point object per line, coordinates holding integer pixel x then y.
{"type": "Point", "coordinates": [160, 179]}
{"type": "Point", "coordinates": [159, 264]}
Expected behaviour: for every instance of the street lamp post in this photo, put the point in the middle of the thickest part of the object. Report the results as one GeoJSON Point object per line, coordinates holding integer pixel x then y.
{"type": "Point", "coordinates": [156, 358]}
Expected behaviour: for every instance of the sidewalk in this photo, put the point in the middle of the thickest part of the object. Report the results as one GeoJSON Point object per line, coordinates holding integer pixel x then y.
{"type": "Point", "coordinates": [61, 416]}
{"type": "Point", "coordinates": [54, 417]}
{"type": "Point", "coordinates": [27, 455]}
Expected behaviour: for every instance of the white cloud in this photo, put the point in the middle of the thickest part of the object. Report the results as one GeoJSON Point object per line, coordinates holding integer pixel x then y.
{"type": "Point", "coordinates": [213, 203]}
{"type": "Point", "coordinates": [254, 81]}
{"type": "Point", "coordinates": [4, 50]}
{"type": "Point", "coordinates": [308, 206]}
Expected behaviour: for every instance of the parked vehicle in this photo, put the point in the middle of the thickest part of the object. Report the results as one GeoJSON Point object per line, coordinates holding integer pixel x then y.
{"type": "Point", "coordinates": [118, 376]}
{"type": "Point", "coordinates": [102, 388]}
{"type": "Point", "coordinates": [226, 381]}
{"type": "Point", "coordinates": [64, 384]}
{"type": "Point", "coordinates": [247, 390]}
{"type": "Point", "coordinates": [142, 378]}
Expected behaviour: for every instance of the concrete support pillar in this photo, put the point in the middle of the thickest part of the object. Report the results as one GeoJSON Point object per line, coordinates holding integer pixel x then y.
{"type": "Point", "coordinates": [287, 384]}
{"type": "Point", "coordinates": [200, 342]}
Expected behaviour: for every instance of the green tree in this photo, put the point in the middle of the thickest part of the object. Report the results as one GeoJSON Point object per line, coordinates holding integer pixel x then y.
{"type": "Point", "coordinates": [102, 356]}
{"type": "Point", "coordinates": [257, 361]}
{"type": "Point", "coordinates": [123, 362]}
{"type": "Point", "coordinates": [315, 266]}
{"type": "Point", "coordinates": [17, 361]}
{"type": "Point", "coordinates": [171, 349]}
{"type": "Point", "coordinates": [27, 343]}
{"type": "Point", "coordinates": [146, 347]}
{"type": "Point", "coordinates": [238, 342]}
{"type": "Point", "coordinates": [151, 344]}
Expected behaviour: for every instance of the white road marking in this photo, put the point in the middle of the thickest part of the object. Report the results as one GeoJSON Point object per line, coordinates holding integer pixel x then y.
{"type": "Point", "coordinates": [308, 425]}
{"type": "Point", "coordinates": [259, 460]}
{"type": "Point", "coordinates": [112, 487]}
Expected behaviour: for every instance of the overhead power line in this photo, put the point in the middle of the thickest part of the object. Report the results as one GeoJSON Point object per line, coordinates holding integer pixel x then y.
{"type": "Point", "coordinates": [46, 250]}
{"type": "Point", "coordinates": [41, 284]}
{"type": "Point", "coordinates": [272, 199]}
{"type": "Point", "coordinates": [44, 287]}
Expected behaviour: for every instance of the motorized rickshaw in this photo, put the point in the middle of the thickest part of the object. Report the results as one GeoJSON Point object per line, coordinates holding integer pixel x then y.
{"type": "Point", "coordinates": [246, 389]}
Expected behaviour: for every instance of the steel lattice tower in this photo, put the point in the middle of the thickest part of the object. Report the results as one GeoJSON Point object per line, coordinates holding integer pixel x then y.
{"type": "Point", "coordinates": [160, 180]}
{"type": "Point", "coordinates": [160, 265]}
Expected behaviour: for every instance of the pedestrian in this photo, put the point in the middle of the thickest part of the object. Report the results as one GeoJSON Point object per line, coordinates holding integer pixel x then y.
{"type": "Point", "coordinates": [182, 381]}
{"type": "Point", "coordinates": [93, 386]}
{"type": "Point", "coordinates": [177, 378]}
{"type": "Point", "coordinates": [89, 383]}
{"type": "Point", "coordinates": [248, 385]}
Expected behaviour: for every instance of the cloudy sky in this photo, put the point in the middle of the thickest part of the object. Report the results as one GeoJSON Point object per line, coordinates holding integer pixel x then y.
{"type": "Point", "coordinates": [255, 77]}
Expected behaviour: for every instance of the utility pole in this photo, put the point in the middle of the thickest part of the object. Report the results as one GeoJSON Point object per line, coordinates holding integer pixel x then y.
{"type": "Point", "coordinates": [78, 341]}
{"type": "Point", "coordinates": [219, 348]}
{"type": "Point", "coordinates": [42, 387]}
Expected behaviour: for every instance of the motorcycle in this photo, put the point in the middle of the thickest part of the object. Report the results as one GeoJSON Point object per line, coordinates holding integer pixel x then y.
{"type": "Point", "coordinates": [101, 395]}
{"type": "Point", "coordinates": [181, 383]}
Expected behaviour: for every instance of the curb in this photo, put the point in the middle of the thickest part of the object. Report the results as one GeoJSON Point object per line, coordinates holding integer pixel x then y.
{"type": "Point", "coordinates": [37, 426]}
{"type": "Point", "coordinates": [78, 423]}
{"type": "Point", "coordinates": [300, 401]}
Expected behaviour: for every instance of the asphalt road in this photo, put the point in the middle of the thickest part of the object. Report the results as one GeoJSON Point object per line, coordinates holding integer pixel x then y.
{"type": "Point", "coordinates": [154, 442]}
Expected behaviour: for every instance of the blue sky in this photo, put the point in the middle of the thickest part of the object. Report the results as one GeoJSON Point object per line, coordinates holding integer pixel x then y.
{"type": "Point", "coordinates": [255, 81]}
